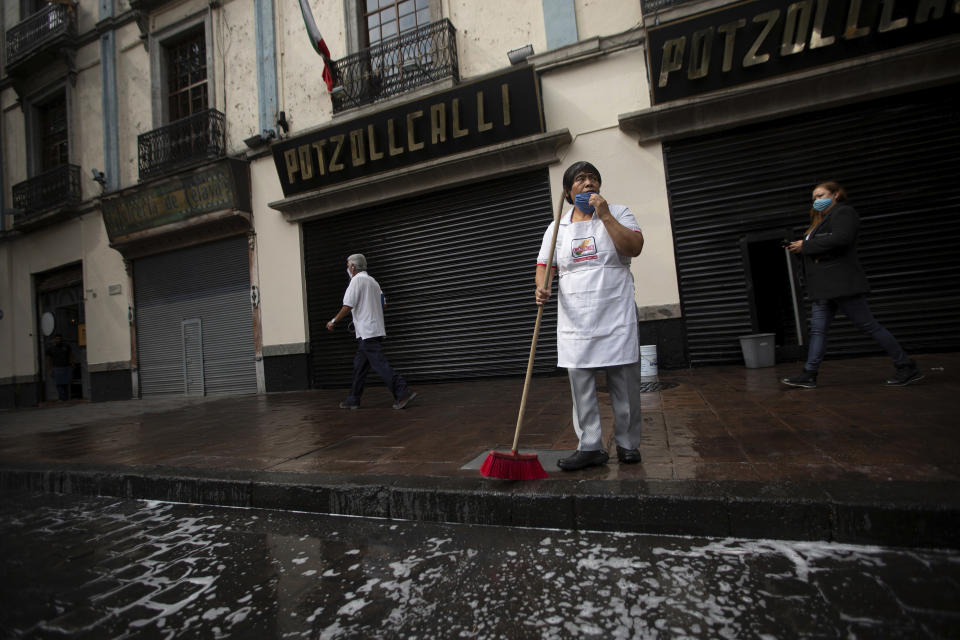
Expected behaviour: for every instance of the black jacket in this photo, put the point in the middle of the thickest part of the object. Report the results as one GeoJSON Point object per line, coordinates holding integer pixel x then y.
{"type": "Point", "coordinates": [830, 263]}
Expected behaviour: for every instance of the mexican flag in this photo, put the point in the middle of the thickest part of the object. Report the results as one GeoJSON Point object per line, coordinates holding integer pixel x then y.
{"type": "Point", "coordinates": [318, 44]}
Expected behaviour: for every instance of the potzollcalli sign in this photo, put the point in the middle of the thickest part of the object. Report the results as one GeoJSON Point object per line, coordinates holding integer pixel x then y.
{"type": "Point", "coordinates": [487, 111]}
{"type": "Point", "coordinates": [759, 39]}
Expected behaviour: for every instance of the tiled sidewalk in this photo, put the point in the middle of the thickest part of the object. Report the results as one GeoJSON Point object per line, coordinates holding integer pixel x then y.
{"type": "Point", "coordinates": [718, 423]}
{"type": "Point", "coordinates": [727, 451]}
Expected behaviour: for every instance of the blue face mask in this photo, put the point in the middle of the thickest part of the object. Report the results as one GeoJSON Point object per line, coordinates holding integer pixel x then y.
{"type": "Point", "coordinates": [582, 201]}
{"type": "Point", "coordinates": [822, 203]}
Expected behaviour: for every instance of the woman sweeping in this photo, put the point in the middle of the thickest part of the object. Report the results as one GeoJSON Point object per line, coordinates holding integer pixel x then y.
{"type": "Point", "coordinates": [836, 282]}
{"type": "Point", "coordinates": [597, 318]}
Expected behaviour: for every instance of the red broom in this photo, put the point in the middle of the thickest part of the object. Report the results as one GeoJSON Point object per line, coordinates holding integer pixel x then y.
{"type": "Point", "coordinates": [513, 465]}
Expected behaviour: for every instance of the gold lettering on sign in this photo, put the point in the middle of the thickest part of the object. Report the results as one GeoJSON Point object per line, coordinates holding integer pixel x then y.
{"type": "Point", "coordinates": [753, 56]}
{"type": "Point", "coordinates": [335, 164]}
{"type": "Point", "coordinates": [482, 125]}
{"type": "Point", "coordinates": [505, 99]}
{"type": "Point", "coordinates": [371, 140]}
{"type": "Point", "coordinates": [438, 123]}
{"type": "Point", "coordinates": [925, 6]}
{"type": "Point", "coordinates": [358, 152]}
{"type": "Point", "coordinates": [290, 159]}
{"type": "Point", "coordinates": [306, 163]}
{"type": "Point", "coordinates": [795, 26]}
{"type": "Point", "coordinates": [412, 143]}
{"type": "Point", "coordinates": [672, 58]}
{"type": "Point", "coordinates": [455, 117]}
{"type": "Point", "coordinates": [817, 38]}
{"type": "Point", "coordinates": [321, 162]}
{"type": "Point", "coordinates": [729, 32]}
{"type": "Point", "coordinates": [853, 16]}
{"type": "Point", "coordinates": [392, 147]}
{"type": "Point", "coordinates": [700, 44]}
{"type": "Point", "coordinates": [887, 23]}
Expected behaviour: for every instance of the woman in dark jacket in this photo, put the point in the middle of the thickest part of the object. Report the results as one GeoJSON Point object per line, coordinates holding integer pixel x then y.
{"type": "Point", "coordinates": [836, 282]}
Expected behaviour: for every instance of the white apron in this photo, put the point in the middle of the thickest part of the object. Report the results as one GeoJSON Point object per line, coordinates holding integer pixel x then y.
{"type": "Point", "coordinates": [597, 315]}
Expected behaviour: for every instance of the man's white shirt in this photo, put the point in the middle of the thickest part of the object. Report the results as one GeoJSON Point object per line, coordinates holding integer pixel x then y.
{"type": "Point", "coordinates": [363, 298]}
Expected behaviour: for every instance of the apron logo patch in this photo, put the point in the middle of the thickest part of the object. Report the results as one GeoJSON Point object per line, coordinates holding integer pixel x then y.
{"type": "Point", "coordinates": [584, 249]}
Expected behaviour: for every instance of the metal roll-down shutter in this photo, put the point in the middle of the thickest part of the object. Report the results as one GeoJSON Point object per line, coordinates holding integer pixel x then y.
{"type": "Point", "coordinates": [457, 268]}
{"type": "Point", "coordinates": [897, 159]}
{"type": "Point", "coordinates": [194, 322]}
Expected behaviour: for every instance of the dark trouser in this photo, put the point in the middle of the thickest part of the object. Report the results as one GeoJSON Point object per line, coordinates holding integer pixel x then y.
{"type": "Point", "coordinates": [858, 311]}
{"type": "Point", "coordinates": [62, 377]}
{"type": "Point", "coordinates": [370, 355]}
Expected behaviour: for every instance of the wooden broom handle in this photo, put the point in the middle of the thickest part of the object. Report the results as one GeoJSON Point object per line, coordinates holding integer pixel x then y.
{"type": "Point", "coordinates": [548, 277]}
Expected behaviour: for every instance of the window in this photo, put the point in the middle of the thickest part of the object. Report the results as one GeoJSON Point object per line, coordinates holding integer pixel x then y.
{"type": "Point", "coordinates": [186, 60]}
{"type": "Point", "coordinates": [387, 18]}
{"type": "Point", "coordinates": [30, 7]}
{"type": "Point", "coordinates": [52, 122]}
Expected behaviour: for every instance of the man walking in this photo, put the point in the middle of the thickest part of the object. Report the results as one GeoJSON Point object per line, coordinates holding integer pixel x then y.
{"type": "Point", "coordinates": [363, 299]}
{"type": "Point", "coordinates": [60, 363]}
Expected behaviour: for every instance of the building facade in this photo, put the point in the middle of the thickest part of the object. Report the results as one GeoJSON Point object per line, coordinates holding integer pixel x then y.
{"type": "Point", "coordinates": [180, 189]}
{"type": "Point", "coordinates": [757, 102]}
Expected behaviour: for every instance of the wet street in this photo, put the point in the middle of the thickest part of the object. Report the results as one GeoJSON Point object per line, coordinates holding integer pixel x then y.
{"type": "Point", "coordinates": [105, 568]}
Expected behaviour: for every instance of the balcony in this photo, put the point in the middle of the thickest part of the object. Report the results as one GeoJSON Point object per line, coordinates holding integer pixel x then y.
{"type": "Point", "coordinates": [181, 144]}
{"type": "Point", "coordinates": [43, 198]}
{"type": "Point", "coordinates": [397, 65]}
{"type": "Point", "coordinates": [44, 35]}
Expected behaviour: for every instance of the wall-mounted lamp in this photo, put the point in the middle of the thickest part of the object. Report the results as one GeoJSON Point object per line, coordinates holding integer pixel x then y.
{"type": "Point", "coordinates": [516, 56]}
{"type": "Point", "coordinates": [260, 139]}
{"type": "Point", "coordinates": [282, 122]}
{"type": "Point", "coordinates": [100, 178]}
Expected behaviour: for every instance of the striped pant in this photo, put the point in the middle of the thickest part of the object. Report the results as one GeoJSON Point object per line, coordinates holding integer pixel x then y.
{"type": "Point", "coordinates": [623, 382]}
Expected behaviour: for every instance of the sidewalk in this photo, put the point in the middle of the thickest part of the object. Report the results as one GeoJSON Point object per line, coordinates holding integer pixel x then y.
{"type": "Point", "coordinates": [726, 451]}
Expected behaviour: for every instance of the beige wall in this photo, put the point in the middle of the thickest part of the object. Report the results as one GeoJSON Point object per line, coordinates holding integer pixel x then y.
{"type": "Point", "coordinates": [302, 94]}
{"type": "Point", "coordinates": [606, 17]}
{"type": "Point", "coordinates": [235, 73]}
{"type": "Point", "coordinates": [279, 261]}
{"type": "Point", "coordinates": [86, 140]}
{"type": "Point", "coordinates": [83, 240]}
{"type": "Point", "coordinates": [133, 99]}
{"type": "Point", "coordinates": [486, 32]}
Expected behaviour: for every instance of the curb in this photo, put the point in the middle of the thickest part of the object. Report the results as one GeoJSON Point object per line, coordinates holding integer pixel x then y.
{"type": "Point", "coordinates": [902, 514]}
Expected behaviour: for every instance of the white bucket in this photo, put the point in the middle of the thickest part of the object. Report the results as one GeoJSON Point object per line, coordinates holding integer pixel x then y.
{"type": "Point", "coordinates": [648, 361]}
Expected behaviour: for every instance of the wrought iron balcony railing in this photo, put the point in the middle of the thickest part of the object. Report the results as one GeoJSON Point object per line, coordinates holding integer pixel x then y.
{"type": "Point", "coordinates": [396, 65]}
{"type": "Point", "coordinates": [179, 144]}
{"type": "Point", "coordinates": [51, 189]}
{"type": "Point", "coordinates": [53, 25]}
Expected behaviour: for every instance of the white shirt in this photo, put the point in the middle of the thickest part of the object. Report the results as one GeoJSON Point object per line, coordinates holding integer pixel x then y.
{"type": "Point", "coordinates": [597, 317]}
{"type": "Point", "coordinates": [363, 298]}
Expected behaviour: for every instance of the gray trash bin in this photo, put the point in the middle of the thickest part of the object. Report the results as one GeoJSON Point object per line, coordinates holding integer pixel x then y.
{"type": "Point", "coordinates": [759, 350]}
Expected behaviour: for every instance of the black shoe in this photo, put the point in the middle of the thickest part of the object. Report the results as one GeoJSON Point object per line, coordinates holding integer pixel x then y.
{"type": "Point", "coordinates": [906, 374]}
{"type": "Point", "coordinates": [403, 403]}
{"type": "Point", "coordinates": [806, 380]}
{"type": "Point", "coordinates": [628, 456]}
{"type": "Point", "coordinates": [583, 459]}
{"type": "Point", "coordinates": [347, 405]}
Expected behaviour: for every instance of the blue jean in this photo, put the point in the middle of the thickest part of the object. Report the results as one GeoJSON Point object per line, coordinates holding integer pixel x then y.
{"type": "Point", "coordinates": [370, 355]}
{"type": "Point", "coordinates": [855, 308]}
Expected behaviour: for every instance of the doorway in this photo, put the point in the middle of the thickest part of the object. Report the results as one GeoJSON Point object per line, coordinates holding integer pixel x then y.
{"type": "Point", "coordinates": [773, 288]}
{"type": "Point", "coordinates": [60, 312]}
